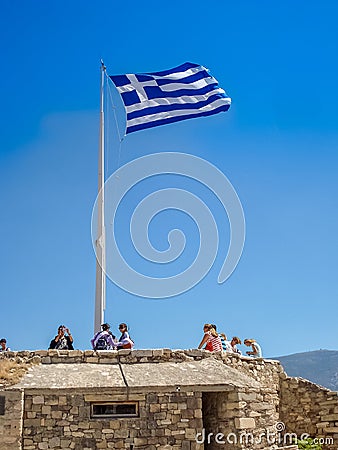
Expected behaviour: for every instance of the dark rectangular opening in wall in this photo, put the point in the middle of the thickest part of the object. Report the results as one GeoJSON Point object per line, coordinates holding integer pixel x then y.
{"type": "Point", "coordinates": [2, 405]}
{"type": "Point", "coordinates": [114, 409]}
{"type": "Point", "coordinates": [216, 421]}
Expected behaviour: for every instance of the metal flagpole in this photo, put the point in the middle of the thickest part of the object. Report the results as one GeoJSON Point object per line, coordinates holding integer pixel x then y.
{"type": "Point", "coordinates": [100, 290]}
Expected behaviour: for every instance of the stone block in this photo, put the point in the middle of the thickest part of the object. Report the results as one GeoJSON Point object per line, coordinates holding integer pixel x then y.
{"type": "Point", "coordinates": [92, 359]}
{"type": "Point", "coordinates": [185, 445]}
{"type": "Point", "coordinates": [194, 403]}
{"type": "Point", "coordinates": [38, 400]}
{"type": "Point", "coordinates": [190, 433]}
{"type": "Point", "coordinates": [248, 397]}
{"type": "Point", "coordinates": [46, 409]}
{"type": "Point", "coordinates": [75, 353]}
{"type": "Point", "coordinates": [43, 446]}
{"type": "Point", "coordinates": [32, 423]}
{"type": "Point", "coordinates": [35, 360]}
{"type": "Point", "coordinates": [181, 405]}
{"type": "Point", "coordinates": [124, 352]}
{"type": "Point", "coordinates": [244, 423]}
{"type": "Point", "coordinates": [152, 398]}
{"type": "Point", "coordinates": [121, 433]}
{"type": "Point", "coordinates": [322, 424]}
{"type": "Point", "coordinates": [52, 401]}
{"type": "Point", "coordinates": [331, 430]}
{"type": "Point", "coordinates": [63, 400]}
{"type": "Point", "coordinates": [154, 407]}
{"type": "Point", "coordinates": [142, 353]}
{"type": "Point", "coordinates": [171, 406]}
{"type": "Point", "coordinates": [198, 414]}
{"type": "Point", "coordinates": [254, 414]}
{"type": "Point", "coordinates": [261, 406]}
{"type": "Point", "coordinates": [233, 396]}
{"type": "Point", "coordinates": [41, 352]}
{"type": "Point", "coordinates": [327, 403]}
{"type": "Point", "coordinates": [195, 353]}
{"type": "Point", "coordinates": [54, 442]}
{"type": "Point", "coordinates": [330, 418]}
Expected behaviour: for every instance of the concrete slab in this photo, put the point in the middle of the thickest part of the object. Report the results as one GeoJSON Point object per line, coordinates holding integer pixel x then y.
{"type": "Point", "coordinates": [209, 374]}
{"type": "Point", "coordinates": [71, 376]}
{"type": "Point", "coordinates": [205, 373]}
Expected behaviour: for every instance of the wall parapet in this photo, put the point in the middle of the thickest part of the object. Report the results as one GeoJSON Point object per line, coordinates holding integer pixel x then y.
{"type": "Point", "coordinates": [267, 372]}
{"type": "Point", "coordinates": [127, 356]}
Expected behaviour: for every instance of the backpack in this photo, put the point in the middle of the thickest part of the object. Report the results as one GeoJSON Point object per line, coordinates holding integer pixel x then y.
{"type": "Point", "coordinates": [101, 344]}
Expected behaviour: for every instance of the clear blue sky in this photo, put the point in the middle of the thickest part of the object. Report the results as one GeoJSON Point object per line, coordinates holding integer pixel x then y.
{"type": "Point", "coordinates": [278, 145]}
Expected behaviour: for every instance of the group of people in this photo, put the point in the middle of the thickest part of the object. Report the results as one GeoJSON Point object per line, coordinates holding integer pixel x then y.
{"type": "Point", "coordinates": [105, 340]}
{"type": "Point", "coordinates": [102, 340]}
{"type": "Point", "coordinates": [217, 342]}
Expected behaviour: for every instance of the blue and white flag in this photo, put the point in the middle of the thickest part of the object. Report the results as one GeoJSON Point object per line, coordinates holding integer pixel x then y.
{"type": "Point", "coordinates": [158, 98]}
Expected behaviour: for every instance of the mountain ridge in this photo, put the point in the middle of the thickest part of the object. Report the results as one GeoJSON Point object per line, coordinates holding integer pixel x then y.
{"type": "Point", "coordinates": [318, 366]}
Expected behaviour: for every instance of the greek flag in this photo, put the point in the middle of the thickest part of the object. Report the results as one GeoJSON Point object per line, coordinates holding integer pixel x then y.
{"type": "Point", "coordinates": [158, 98]}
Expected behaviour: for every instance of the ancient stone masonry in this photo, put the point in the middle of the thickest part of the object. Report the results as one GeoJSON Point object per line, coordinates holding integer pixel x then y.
{"type": "Point", "coordinates": [64, 421]}
{"type": "Point", "coordinates": [11, 419]}
{"type": "Point", "coordinates": [310, 409]}
{"type": "Point", "coordinates": [157, 399]}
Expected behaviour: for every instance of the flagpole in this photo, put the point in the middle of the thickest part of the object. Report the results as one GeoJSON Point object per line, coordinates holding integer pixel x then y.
{"type": "Point", "coordinates": [100, 289]}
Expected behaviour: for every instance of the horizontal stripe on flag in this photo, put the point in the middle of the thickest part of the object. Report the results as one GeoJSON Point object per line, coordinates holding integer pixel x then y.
{"type": "Point", "coordinates": [172, 107]}
{"type": "Point", "coordinates": [172, 119]}
{"type": "Point", "coordinates": [174, 85]}
{"type": "Point", "coordinates": [188, 99]}
{"type": "Point", "coordinates": [184, 112]}
{"type": "Point", "coordinates": [153, 92]}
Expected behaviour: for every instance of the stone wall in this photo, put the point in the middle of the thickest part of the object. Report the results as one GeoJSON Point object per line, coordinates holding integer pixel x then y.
{"type": "Point", "coordinates": [266, 372]}
{"type": "Point", "coordinates": [11, 419]}
{"type": "Point", "coordinates": [62, 420]}
{"type": "Point", "coordinates": [311, 409]}
{"type": "Point", "coordinates": [240, 419]}
{"type": "Point", "coordinates": [248, 405]}
{"type": "Point", "coordinates": [56, 418]}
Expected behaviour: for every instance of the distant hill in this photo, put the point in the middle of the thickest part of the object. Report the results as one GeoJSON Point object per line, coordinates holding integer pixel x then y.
{"type": "Point", "coordinates": [320, 367]}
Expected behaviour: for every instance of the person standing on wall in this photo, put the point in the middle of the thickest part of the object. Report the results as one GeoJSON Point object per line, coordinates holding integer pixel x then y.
{"type": "Point", "coordinates": [63, 340]}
